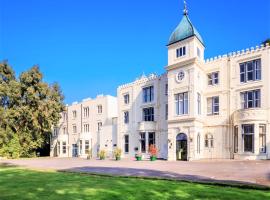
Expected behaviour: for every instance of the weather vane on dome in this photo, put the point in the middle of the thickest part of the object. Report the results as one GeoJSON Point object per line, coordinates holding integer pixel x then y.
{"type": "Point", "coordinates": [185, 8]}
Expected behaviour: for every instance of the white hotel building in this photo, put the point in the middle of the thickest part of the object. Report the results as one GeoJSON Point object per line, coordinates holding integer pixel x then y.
{"type": "Point", "coordinates": [217, 108]}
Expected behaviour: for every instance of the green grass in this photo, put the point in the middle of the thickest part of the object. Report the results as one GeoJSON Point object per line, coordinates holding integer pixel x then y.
{"type": "Point", "coordinates": [17, 183]}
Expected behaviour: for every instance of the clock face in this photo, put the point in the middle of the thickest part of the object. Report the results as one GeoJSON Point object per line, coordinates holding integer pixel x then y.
{"type": "Point", "coordinates": [180, 76]}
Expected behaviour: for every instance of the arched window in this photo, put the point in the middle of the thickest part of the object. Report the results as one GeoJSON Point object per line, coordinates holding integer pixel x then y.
{"type": "Point", "coordinates": [198, 143]}
{"type": "Point", "coordinates": [209, 141]}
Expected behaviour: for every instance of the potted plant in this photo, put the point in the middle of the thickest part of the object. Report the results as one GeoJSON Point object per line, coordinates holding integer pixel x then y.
{"type": "Point", "coordinates": [138, 156]}
{"type": "Point", "coordinates": [117, 153]}
{"type": "Point", "coordinates": [102, 155]}
{"type": "Point", "coordinates": [153, 152]}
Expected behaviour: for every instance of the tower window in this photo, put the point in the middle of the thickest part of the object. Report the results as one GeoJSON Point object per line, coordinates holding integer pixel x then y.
{"type": "Point", "coordinates": [180, 52]}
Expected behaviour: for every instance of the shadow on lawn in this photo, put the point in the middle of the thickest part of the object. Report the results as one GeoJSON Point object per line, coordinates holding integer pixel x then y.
{"type": "Point", "coordinates": [155, 174]}
{"type": "Point", "coordinates": [5, 164]}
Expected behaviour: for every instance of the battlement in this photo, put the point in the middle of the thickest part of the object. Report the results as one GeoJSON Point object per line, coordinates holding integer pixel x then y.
{"type": "Point", "coordinates": [139, 80]}
{"type": "Point", "coordinates": [238, 53]}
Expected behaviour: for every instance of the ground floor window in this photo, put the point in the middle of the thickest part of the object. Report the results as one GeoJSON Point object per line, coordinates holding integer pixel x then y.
{"type": "Point", "coordinates": [143, 149]}
{"type": "Point", "coordinates": [235, 139]}
{"type": "Point", "coordinates": [248, 137]}
{"type": "Point", "coordinates": [209, 141]}
{"type": "Point", "coordinates": [64, 147]}
{"type": "Point", "coordinates": [86, 147]}
{"type": "Point", "coordinates": [151, 138]}
{"type": "Point", "coordinates": [126, 143]}
{"type": "Point", "coordinates": [262, 138]}
{"type": "Point", "coordinates": [80, 147]}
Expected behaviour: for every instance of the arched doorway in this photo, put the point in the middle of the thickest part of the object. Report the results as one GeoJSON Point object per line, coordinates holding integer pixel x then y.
{"type": "Point", "coordinates": [181, 146]}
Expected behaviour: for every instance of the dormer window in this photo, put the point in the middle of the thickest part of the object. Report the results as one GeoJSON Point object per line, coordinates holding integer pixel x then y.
{"type": "Point", "coordinates": [180, 52]}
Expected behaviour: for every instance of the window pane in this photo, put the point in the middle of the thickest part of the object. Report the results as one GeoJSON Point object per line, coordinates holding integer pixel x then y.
{"type": "Point", "coordinates": [143, 142]}
{"type": "Point", "coordinates": [248, 143]}
{"type": "Point", "coordinates": [250, 72]}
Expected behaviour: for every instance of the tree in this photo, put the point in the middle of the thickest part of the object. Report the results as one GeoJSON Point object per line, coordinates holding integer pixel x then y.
{"type": "Point", "coordinates": [267, 41]}
{"type": "Point", "coordinates": [29, 109]}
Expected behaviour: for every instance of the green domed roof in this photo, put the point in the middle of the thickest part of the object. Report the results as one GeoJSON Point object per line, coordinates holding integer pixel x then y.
{"type": "Point", "coordinates": [184, 30]}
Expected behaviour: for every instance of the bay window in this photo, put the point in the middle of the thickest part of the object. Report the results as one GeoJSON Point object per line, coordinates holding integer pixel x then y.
{"type": "Point", "coordinates": [248, 137]}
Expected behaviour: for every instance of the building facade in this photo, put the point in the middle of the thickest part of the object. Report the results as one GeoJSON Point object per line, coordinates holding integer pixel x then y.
{"type": "Point", "coordinates": [85, 128]}
{"type": "Point", "coordinates": [217, 108]}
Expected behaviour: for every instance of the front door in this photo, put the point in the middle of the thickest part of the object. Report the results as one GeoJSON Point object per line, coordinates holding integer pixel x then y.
{"type": "Point", "coordinates": [74, 150]}
{"type": "Point", "coordinates": [181, 147]}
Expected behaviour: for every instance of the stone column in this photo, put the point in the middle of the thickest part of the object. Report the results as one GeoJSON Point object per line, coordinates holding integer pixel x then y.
{"type": "Point", "coordinates": [240, 141]}
{"type": "Point", "coordinates": [146, 141]}
{"type": "Point", "coordinates": [256, 138]}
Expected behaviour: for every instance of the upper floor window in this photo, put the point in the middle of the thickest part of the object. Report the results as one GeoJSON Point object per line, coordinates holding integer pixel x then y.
{"type": "Point", "coordinates": [181, 103]}
{"type": "Point", "coordinates": [180, 52]}
{"type": "Point", "coordinates": [251, 99]}
{"type": "Point", "coordinates": [148, 94]}
{"type": "Point", "coordinates": [74, 129]}
{"type": "Point", "coordinates": [213, 78]}
{"type": "Point", "coordinates": [55, 132]}
{"type": "Point", "coordinates": [74, 114]}
{"type": "Point", "coordinates": [99, 109]}
{"type": "Point", "coordinates": [126, 98]}
{"type": "Point", "coordinates": [99, 126]}
{"type": "Point", "coordinates": [148, 114]}
{"type": "Point", "coordinates": [166, 89]}
{"type": "Point", "coordinates": [86, 112]}
{"type": "Point", "coordinates": [250, 71]}
{"type": "Point", "coordinates": [86, 128]}
{"type": "Point", "coordinates": [213, 105]}
{"type": "Point", "coordinates": [126, 117]}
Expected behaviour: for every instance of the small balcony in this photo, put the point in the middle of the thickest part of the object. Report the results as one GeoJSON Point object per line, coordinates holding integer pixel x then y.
{"type": "Point", "coordinates": [253, 114]}
{"type": "Point", "coordinates": [147, 126]}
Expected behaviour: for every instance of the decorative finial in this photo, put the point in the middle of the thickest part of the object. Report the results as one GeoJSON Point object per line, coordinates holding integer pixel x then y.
{"type": "Point", "coordinates": [185, 8]}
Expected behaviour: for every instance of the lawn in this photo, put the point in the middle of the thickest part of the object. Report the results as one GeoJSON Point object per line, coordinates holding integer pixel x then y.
{"type": "Point", "coordinates": [18, 183]}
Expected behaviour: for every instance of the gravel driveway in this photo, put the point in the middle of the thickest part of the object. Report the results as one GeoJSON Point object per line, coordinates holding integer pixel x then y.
{"type": "Point", "coordinates": [222, 171]}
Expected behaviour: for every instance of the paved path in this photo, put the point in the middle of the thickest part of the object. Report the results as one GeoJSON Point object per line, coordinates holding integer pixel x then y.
{"type": "Point", "coordinates": [224, 171]}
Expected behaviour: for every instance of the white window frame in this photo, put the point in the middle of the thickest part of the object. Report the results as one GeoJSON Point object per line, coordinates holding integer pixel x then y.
{"type": "Point", "coordinates": [181, 52]}
{"type": "Point", "coordinates": [213, 78]}
{"type": "Point", "coordinates": [212, 105]}
{"type": "Point", "coordinates": [255, 100]}
{"type": "Point", "coordinates": [126, 99]}
{"type": "Point", "coordinates": [182, 103]}
{"type": "Point", "coordinates": [256, 71]}
{"type": "Point", "coordinates": [126, 117]}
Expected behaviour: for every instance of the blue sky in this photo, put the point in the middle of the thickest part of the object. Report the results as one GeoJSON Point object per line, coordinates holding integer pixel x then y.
{"type": "Point", "coordinates": [92, 46]}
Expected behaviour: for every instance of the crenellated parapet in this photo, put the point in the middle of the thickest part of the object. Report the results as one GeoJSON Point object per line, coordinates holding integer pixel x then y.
{"type": "Point", "coordinates": [239, 53]}
{"type": "Point", "coordinates": [141, 80]}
